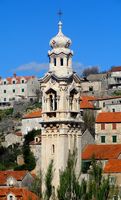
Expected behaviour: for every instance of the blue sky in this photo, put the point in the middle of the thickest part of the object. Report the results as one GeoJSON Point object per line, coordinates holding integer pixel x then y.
{"type": "Point", "coordinates": [26, 27]}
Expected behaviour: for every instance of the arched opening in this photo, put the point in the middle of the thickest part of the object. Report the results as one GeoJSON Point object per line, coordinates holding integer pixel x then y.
{"type": "Point", "coordinates": [72, 97]}
{"type": "Point", "coordinates": [61, 61]}
{"type": "Point", "coordinates": [52, 94]}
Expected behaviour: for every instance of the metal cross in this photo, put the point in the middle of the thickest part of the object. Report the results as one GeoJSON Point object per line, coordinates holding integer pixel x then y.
{"type": "Point", "coordinates": [60, 14]}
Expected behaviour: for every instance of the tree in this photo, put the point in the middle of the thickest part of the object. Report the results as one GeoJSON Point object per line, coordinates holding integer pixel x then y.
{"type": "Point", "coordinates": [48, 181]}
{"type": "Point", "coordinates": [70, 187]}
{"type": "Point", "coordinates": [36, 186]}
{"type": "Point", "coordinates": [97, 187]}
{"type": "Point", "coordinates": [90, 70]}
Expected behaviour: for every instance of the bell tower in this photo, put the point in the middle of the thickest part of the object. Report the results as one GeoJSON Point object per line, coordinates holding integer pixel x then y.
{"type": "Point", "coordinates": [60, 107]}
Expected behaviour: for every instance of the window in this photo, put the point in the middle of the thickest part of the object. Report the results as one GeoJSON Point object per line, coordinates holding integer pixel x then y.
{"type": "Point", "coordinates": [113, 125]}
{"type": "Point", "coordinates": [54, 61]}
{"type": "Point", "coordinates": [4, 99]}
{"type": "Point", "coordinates": [102, 126]}
{"type": "Point", "coordinates": [13, 90]}
{"type": "Point", "coordinates": [103, 139]}
{"type": "Point", "coordinates": [22, 90]}
{"type": "Point", "coordinates": [103, 104]}
{"type": "Point", "coordinates": [114, 138]}
{"type": "Point", "coordinates": [4, 91]}
{"type": "Point", "coordinates": [91, 88]}
{"type": "Point", "coordinates": [81, 113]}
{"type": "Point", "coordinates": [53, 149]}
{"type": "Point", "coordinates": [61, 61]}
{"type": "Point", "coordinates": [113, 109]}
{"type": "Point", "coordinates": [14, 82]}
{"type": "Point", "coordinates": [4, 82]}
{"type": "Point", "coordinates": [22, 81]}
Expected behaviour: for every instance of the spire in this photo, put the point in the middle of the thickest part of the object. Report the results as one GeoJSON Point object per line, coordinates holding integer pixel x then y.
{"type": "Point", "coordinates": [60, 26]}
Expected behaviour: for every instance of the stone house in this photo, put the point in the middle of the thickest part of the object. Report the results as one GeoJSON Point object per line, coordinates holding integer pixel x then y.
{"type": "Point", "coordinates": [114, 78]}
{"type": "Point", "coordinates": [13, 138]}
{"type": "Point", "coordinates": [108, 128]}
{"type": "Point", "coordinates": [31, 121]}
{"type": "Point", "coordinates": [16, 178]}
{"type": "Point", "coordinates": [87, 103]}
{"type": "Point", "coordinates": [95, 84]}
{"type": "Point", "coordinates": [16, 88]}
{"type": "Point", "coordinates": [35, 147]}
{"type": "Point", "coordinates": [15, 193]}
{"type": "Point", "coordinates": [109, 104]}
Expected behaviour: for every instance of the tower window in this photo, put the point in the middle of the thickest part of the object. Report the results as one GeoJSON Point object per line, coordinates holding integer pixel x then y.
{"type": "Point", "coordinates": [54, 61]}
{"type": "Point", "coordinates": [53, 149]}
{"type": "Point", "coordinates": [61, 61]}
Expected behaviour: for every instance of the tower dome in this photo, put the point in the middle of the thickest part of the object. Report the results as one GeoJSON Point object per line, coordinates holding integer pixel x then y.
{"type": "Point", "coordinates": [60, 40]}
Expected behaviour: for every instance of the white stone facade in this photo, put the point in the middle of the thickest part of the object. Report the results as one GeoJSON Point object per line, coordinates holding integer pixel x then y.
{"type": "Point", "coordinates": [31, 121]}
{"type": "Point", "coordinates": [60, 108]}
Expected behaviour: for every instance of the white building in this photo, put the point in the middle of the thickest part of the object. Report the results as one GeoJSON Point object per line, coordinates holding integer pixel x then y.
{"type": "Point", "coordinates": [17, 87]}
{"type": "Point", "coordinates": [60, 108]}
{"type": "Point", "coordinates": [31, 121]}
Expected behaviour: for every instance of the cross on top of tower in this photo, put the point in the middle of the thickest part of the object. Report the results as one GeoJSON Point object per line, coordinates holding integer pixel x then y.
{"type": "Point", "coordinates": [60, 14]}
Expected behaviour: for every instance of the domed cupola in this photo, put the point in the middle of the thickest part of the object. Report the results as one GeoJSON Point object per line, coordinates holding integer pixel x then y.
{"type": "Point", "coordinates": [60, 55]}
{"type": "Point", "coordinates": [60, 40]}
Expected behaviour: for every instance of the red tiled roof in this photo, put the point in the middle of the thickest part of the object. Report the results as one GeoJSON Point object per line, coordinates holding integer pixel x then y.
{"type": "Point", "coordinates": [102, 152]}
{"type": "Point", "coordinates": [18, 175]}
{"type": "Point", "coordinates": [21, 193]}
{"type": "Point", "coordinates": [109, 117]}
{"type": "Point", "coordinates": [85, 102]}
{"type": "Point", "coordinates": [113, 166]}
{"type": "Point", "coordinates": [115, 69]}
{"type": "Point", "coordinates": [33, 114]}
{"type": "Point", "coordinates": [18, 79]}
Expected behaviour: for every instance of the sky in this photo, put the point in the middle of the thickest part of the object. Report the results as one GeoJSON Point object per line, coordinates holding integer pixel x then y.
{"type": "Point", "coordinates": [26, 27]}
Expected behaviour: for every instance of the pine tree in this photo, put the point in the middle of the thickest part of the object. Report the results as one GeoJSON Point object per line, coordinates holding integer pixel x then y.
{"type": "Point", "coordinates": [48, 181]}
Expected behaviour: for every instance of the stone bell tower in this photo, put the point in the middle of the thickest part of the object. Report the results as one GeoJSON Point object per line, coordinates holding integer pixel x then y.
{"type": "Point", "coordinates": [60, 107]}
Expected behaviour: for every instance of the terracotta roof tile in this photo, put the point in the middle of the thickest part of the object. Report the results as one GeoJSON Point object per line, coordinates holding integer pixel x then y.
{"type": "Point", "coordinates": [85, 102]}
{"type": "Point", "coordinates": [18, 79]}
{"type": "Point", "coordinates": [102, 152]}
{"type": "Point", "coordinates": [109, 117]}
{"type": "Point", "coordinates": [18, 175]}
{"type": "Point", "coordinates": [113, 166]}
{"type": "Point", "coordinates": [21, 193]}
{"type": "Point", "coordinates": [33, 114]}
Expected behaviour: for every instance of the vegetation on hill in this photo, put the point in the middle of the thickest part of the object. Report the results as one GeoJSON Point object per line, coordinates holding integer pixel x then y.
{"type": "Point", "coordinates": [8, 156]}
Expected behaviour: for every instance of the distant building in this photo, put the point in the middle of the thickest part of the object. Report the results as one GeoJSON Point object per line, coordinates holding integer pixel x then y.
{"type": "Point", "coordinates": [109, 104]}
{"type": "Point", "coordinates": [114, 78]}
{"type": "Point", "coordinates": [16, 88]}
{"type": "Point", "coordinates": [95, 84]}
{"type": "Point", "coordinates": [31, 121]}
{"type": "Point", "coordinates": [108, 128]}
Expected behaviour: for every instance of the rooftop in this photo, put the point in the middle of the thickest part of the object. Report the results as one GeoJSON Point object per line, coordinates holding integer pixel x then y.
{"type": "Point", "coordinates": [19, 193]}
{"type": "Point", "coordinates": [102, 152]}
{"type": "Point", "coordinates": [113, 166]}
{"type": "Point", "coordinates": [108, 117]}
{"type": "Point", "coordinates": [33, 114]}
